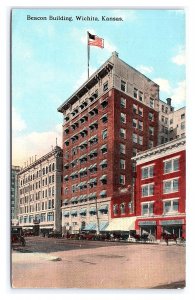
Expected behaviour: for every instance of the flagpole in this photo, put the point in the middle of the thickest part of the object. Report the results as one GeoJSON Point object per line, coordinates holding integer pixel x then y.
{"type": "Point", "coordinates": [88, 53]}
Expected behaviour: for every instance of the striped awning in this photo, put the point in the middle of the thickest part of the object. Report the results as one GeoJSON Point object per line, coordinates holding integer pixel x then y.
{"type": "Point", "coordinates": [122, 224]}
{"type": "Point", "coordinates": [73, 212]}
{"type": "Point", "coordinates": [103, 207]}
{"type": "Point", "coordinates": [66, 213]}
{"type": "Point", "coordinates": [103, 162]}
{"type": "Point", "coordinates": [92, 209]}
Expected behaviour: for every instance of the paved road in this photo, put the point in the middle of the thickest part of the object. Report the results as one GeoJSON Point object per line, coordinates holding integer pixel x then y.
{"type": "Point", "coordinates": [92, 264]}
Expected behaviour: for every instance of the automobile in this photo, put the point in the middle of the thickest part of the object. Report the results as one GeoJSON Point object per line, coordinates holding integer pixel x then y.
{"type": "Point", "coordinates": [17, 236]}
{"type": "Point", "coordinates": [54, 234]}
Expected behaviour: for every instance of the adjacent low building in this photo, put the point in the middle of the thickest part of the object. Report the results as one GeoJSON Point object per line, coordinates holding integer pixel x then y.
{"type": "Point", "coordinates": [160, 189]}
{"type": "Point", "coordinates": [40, 193]}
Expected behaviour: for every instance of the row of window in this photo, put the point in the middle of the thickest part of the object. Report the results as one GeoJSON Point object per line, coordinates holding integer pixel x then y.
{"type": "Point", "coordinates": [38, 195]}
{"type": "Point", "coordinates": [169, 206]}
{"type": "Point", "coordinates": [169, 186]}
{"type": "Point", "coordinates": [84, 105]}
{"type": "Point", "coordinates": [38, 184]}
{"type": "Point", "coordinates": [49, 217]}
{"type": "Point", "coordinates": [123, 118]}
{"type": "Point", "coordinates": [171, 165]}
{"type": "Point", "coordinates": [45, 170]}
{"type": "Point", "coordinates": [84, 212]}
{"type": "Point", "coordinates": [50, 204]}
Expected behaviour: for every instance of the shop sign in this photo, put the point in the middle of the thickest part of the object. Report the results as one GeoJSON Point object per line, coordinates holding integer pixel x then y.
{"type": "Point", "coordinates": [172, 222]}
{"type": "Point", "coordinates": [142, 223]}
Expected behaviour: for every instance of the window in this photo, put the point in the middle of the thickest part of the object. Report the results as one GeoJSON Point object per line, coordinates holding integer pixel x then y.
{"type": "Point", "coordinates": [50, 217]}
{"type": "Point", "coordinates": [140, 96]}
{"type": "Point", "coordinates": [123, 103]}
{"type": "Point", "coordinates": [171, 121]}
{"type": "Point", "coordinates": [140, 111]}
{"type": "Point", "coordinates": [135, 109]}
{"type": "Point", "coordinates": [122, 179]}
{"type": "Point", "coordinates": [134, 123]}
{"type": "Point", "coordinates": [182, 116]}
{"type": "Point", "coordinates": [163, 108]}
{"type": "Point", "coordinates": [122, 208]}
{"type": "Point", "coordinates": [123, 118]}
{"type": "Point", "coordinates": [122, 164]}
{"type": "Point", "coordinates": [166, 121]}
{"type": "Point", "coordinates": [171, 165]}
{"type": "Point", "coordinates": [140, 125]}
{"type": "Point", "coordinates": [151, 130]}
{"type": "Point", "coordinates": [104, 118]}
{"type": "Point", "coordinates": [182, 125]}
{"type": "Point", "coordinates": [171, 186]}
{"type": "Point", "coordinates": [140, 140]}
{"type": "Point", "coordinates": [134, 138]}
{"type": "Point", "coordinates": [135, 93]}
{"type": "Point", "coordinates": [122, 149]}
{"type": "Point", "coordinates": [123, 133]}
{"type": "Point", "coordinates": [150, 144]}
{"type": "Point", "coordinates": [115, 209]}
{"type": "Point", "coordinates": [134, 152]}
{"type": "Point", "coordinates": [105, 86]}
{"type": "Point", "coordinates": [151, 116]}
{"type": "Point", "coordinates": [170, 206]}
{"type": "Point", "coordinates": [147, 172]}
{"type": "Point", "coordinates": [123, 86]}
{"type": "Point", "coordinates": [147, 208]}
{"type": "Point", "coordinates": [151, 103]}
{"type": "Point", "coordinates": [148, 190]}
{"type": "Point", "coordinates": [130, 205]}
{"type": "Point", "coordinates": [104, 134]}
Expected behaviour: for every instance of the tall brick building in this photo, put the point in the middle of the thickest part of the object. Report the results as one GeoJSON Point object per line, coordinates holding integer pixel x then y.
{"type": "Point", "coordinates": [108, 120]}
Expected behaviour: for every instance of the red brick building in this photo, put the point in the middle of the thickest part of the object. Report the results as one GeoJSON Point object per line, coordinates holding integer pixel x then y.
{"type": "Point", "coordinates": [111, 117]}
{"type": "Point", "coordinates": [160, 189]}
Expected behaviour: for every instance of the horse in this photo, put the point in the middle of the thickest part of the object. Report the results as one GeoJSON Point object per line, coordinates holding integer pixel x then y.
{"type": "Point", "coordinates": [169, 236]}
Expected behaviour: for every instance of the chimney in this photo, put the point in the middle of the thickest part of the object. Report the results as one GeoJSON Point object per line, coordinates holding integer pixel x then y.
{"type": "Point", "coordinates": [114, 53]}
{"type": "Point", "coordinates": [168, 101]}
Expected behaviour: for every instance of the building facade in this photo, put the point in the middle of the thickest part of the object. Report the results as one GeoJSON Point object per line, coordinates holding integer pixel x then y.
{"type": "Point", "coordinates": [108, 120]}
{"type": "Point", "coordinates": [160, 189]}
{"type": "Point", "coordinates": [14, 193]}
{"type": "Point", "coordinates": [40, 193]}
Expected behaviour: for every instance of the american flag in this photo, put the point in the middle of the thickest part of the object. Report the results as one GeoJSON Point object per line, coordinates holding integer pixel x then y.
{"type": "Point", "coordinates": [94, 40]}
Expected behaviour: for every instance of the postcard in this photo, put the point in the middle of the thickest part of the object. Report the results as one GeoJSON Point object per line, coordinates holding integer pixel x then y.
{"type": "Point", "coordinates": [98, 185]}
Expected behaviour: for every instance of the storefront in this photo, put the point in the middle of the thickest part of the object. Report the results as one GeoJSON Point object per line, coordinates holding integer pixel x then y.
{"type": "Point", "coordinates": [148, 227]}
{"type": "Point", "coordinates": [173, 227]}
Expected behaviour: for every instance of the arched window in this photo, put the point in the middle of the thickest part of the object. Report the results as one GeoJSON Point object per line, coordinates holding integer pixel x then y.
{"type": "Point", "coordinates": [115, 209]}
{"type": "Point", "coordinates": [122, 208]}
{"type": "Point", "coordinates": [130, 204]}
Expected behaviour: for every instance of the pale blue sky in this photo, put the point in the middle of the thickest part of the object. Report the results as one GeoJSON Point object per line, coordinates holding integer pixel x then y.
{"type": "Point", "coordinates": [49, 61]}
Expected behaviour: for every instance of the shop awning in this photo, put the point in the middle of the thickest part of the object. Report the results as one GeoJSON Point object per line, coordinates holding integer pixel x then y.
{"type": "Point", "coordinates": [103, 162]}
{"type": "Point", "coordinates": [122, 224]}
{"type": "Point", "coordinates": [104, 207]}
{"type": "Point", "coordinates": [73, 212]}
{"type": "Point", "coordinates": [90, 226]}
{"type": "Point", "coordinates": [92, 209]}
{"type": "Point", "coordinates": [66, 213]}
{"type": "Point", "coordinates": [83, 211]}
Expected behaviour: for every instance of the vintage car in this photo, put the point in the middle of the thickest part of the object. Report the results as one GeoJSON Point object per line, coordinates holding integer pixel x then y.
{"type": "Point", "coordinates": [17, 236]}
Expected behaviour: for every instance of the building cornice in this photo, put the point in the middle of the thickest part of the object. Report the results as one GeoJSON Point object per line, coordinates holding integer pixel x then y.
{"type": "Point", "coordinates": [159, 151]}
{"type": "Point", "coordinates": [55, 151]}
{"type": "Point", "coordinates": [93, 79]}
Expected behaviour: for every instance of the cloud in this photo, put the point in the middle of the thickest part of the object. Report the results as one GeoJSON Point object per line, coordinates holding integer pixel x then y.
{"type": "Point", "coordinates": [179, 58]}
{"type": "Point", "coordinates": [18, 124]}
{"type": "Point", "coordinates": [145, 69]}
{"type": "Point", "coordinates": [83, 77]}
{"type": "Point", "coordinates": [35, 143]}
{"type": "Point", "coordinates": [179, 93]}
{"type": "Point", "coordinates": [164, 85]}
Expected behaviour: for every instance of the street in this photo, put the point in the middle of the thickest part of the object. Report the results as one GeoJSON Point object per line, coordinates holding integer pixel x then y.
{"type": "Point", "coordinates": [60, 263]}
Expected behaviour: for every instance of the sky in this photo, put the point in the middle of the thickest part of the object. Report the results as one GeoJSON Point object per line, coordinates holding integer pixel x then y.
{"type": "Point", "coordinates": [49, 62]}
